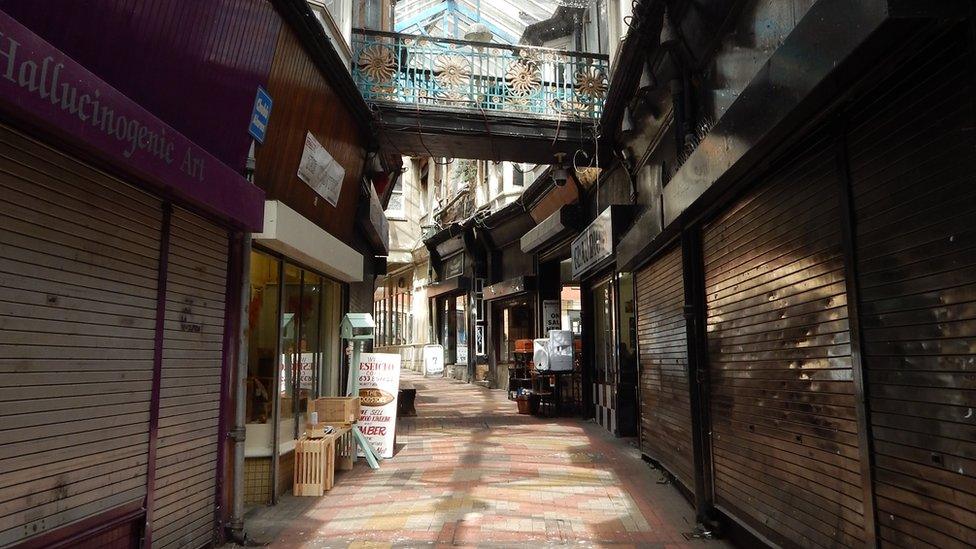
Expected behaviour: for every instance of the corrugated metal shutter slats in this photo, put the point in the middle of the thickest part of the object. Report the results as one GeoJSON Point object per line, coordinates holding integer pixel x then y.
{"type": "Point", "coordinates": [785, 449]}
{"type": "Point", "coordinates": [186, 459]}
{"type": "Point", "coordinates": [662, 341]}
{"type": "Point", "coordinates": [912, 160]}
{"type": "Point", "coordinates": [78, 272]}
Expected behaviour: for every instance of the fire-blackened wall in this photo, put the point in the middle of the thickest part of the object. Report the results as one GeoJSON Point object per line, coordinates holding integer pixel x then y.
{"type": "Point", "coordinates": [912, 160]}
{"type": "Point", "coordinates": [838, 287]}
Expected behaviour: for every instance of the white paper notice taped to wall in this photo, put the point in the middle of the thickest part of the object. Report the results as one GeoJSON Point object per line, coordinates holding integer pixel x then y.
{"type": "Point", "coordinates": [322, 172]}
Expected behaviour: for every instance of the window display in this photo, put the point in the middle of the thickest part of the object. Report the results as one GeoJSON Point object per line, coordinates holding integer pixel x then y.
{"type": "Point", "coordinates": [293, 348]}
{"type": "Point", "coordinates": [262, 341]}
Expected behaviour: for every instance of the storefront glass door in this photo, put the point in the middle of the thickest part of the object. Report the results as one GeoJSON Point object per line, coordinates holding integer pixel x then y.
{"type": "Point", "coordinates": [262, 342]}
{"type": "Point", "coordinates": [289, 363]}
{"type": "Point", "coordinates": [603, 332]}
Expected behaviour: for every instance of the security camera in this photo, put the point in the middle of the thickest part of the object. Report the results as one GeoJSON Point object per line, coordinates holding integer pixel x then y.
{"type": "Point", "coordinates": [559, 173]}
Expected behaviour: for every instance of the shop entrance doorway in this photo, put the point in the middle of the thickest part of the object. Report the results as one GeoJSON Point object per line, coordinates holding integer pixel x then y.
{"type": "Point", "coordinates": [512, 320]}
{"type": "Point", "coordinates": [452, 333]}
{"type": "Point", "coordinates": [614, 369]}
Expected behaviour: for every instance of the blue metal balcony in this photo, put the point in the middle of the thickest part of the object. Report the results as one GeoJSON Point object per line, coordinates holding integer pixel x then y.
{"type": "Point", "coordinates": [444, 72]}
{"type": "Point", "coordinates": [478, 94]}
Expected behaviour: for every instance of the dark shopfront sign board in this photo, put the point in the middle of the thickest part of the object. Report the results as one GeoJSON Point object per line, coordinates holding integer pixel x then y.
{"type": "Point", "coordinates": [453, 266]}
{"type": "Point", "coordinates": [510, 287]}
{"type": "Point", "coordinates": [597, 241]}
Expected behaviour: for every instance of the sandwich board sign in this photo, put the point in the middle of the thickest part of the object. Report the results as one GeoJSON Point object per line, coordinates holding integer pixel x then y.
{"type": "Point", "coordinates": [379, 384]}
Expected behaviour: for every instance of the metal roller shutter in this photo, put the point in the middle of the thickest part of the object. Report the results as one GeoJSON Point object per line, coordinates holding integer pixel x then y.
{"type": "Point", "coordinates": [662, 341]}
{"type": "Point", "coordinates": [78, 273]}
{"type": "Point", "coordinates": [912, 150]}
{"type": "Point", "coordinates": [785, 447]}
{"type": "Point", "coordinates": [186, 460]}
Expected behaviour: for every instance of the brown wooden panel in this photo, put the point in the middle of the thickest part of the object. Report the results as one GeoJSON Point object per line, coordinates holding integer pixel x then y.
{"type": "Point", "coordinates": [305, 102]}
{"type": "Point", "coordinates": [786, 455]}
{"type": "Point", "coordinates": [912, 166]}
{"type": "Point", "coordinates": [661, 339]}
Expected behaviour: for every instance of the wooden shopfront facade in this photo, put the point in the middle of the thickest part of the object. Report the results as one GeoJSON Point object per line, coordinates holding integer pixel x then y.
{"type": "Point", "coordinates": [308, 256]}
{"type": "Point", "coordinates": [803, 334]}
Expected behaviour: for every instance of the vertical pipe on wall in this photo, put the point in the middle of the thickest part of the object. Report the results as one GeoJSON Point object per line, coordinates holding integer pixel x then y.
{"type": "Point", "coordinates": [864, 437]}
{"type": "Point", "coordinates": [238, 431]}
{"type": "Point", "coordinates": [693, 272]}
{"type": "Point", "coordinates": [228, 368]}
{"type": "Point", "coordinates": [161, 281]}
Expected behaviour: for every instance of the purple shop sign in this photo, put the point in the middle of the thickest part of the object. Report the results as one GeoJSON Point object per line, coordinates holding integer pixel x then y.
{"type": "Point", "coordinates": [43, 84]}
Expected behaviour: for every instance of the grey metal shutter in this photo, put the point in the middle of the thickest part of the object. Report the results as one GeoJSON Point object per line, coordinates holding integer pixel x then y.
{"type": "Point", "coordinates": [186, 459]}
{"type": "Point", "coordinates": [785, 446]}
{"type": "Point", "coordinates": [912, 149]}
{"type": "Point", "coordinates": [78, 269]}
{"type": "Point", "coordinates": [662, 342]}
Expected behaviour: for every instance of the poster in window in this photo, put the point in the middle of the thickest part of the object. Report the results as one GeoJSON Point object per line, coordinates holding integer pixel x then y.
{"type": "Point", "coordinates": [305, 376]}
{"type": "Point", "coordinates": [551, 316]}
{"type": "Point", "coordinates": [479, 340]}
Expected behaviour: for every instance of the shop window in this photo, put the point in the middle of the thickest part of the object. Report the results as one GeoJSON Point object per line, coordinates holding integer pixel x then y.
{"type": "Point", "coordinates": [515, 320]}
{"type": "Point", "coordinates": [518, 176]}
{"type": "Point", "coordinates": [393, 314]}
{"type": "Point", "coordinates": [628, 325]}
{"type": "Point", "coordinates": [293, 347]}
{"type": "Point", "coordinates": [461, 325]}
{"type": "Point", "coordinates": [330, 364]}
{"type": "Point", "coordinates": [262, 348]}
{"type": "Point", "coordinates": [396, 208]}
{"type": "Point", "coordinates": [338, 11]}
{"type": "Point", "coordinates": [571, 309]}
{"type": "Point", "coordinates": [603, 333]}
{"type": "Point", "coordinates": [379, 316]}
{"type": "Point", "coordinates": [446, 322]}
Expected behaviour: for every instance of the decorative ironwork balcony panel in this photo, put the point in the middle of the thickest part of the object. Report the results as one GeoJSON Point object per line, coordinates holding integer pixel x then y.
{"type": "Point", "coordinates": [408, 70]}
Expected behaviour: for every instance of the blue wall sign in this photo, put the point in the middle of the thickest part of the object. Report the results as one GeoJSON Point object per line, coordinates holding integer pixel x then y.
{"type": "Point", "coordinates": [260, 116]}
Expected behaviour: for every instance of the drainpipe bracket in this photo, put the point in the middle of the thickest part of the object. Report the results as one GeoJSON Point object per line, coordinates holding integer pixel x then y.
{"type": "Point", "coordinates": [237, 435]}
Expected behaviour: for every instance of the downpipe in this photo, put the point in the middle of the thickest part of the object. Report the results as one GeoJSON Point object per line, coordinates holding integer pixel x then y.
{"type": "Point", "coordinates": [235, 528]}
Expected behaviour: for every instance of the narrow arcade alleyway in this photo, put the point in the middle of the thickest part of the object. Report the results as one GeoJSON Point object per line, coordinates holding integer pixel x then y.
{"type": "Point", "coordinates": [471, 471]}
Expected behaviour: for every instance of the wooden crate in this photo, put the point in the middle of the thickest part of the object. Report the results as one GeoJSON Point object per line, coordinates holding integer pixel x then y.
{"type": "Point", "coordinates": [334, 410]}
{"type": "Point", "coordinates": [314, 466]}
{"type": "Point", "coordinates": [345, 449]}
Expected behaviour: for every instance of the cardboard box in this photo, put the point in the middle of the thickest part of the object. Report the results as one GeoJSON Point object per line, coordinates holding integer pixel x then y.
{"type": "Point", "coordinates": [336, 409]}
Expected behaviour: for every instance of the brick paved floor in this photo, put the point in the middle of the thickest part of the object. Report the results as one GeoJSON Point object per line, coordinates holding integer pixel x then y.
{"type": "Point", "coordinates": [470, 471]}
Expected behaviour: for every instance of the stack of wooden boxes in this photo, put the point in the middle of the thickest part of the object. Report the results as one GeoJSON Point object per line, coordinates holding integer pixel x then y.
{"type": "Point", "coordinates": [316, 453]}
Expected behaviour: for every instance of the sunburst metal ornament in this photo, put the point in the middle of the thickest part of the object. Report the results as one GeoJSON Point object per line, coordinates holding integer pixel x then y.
{"type": "Point", "coordinates": [451, 71]}
{"type": "Point", "coordinates": [377, 63]}
{"type": "Point", "coordinates": [591, 83]}
{"type": "Point", "coordinates": [384, 91]}
{"type": "Point", "coordinates": [523, 77]}
{"type": "Point", "coordinates": [518, 102]}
